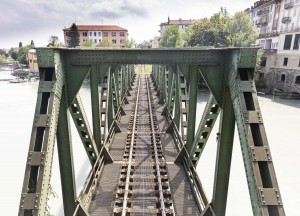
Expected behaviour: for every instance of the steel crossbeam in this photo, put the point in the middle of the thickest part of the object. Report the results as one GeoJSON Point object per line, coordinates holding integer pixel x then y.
{"type": "Point", "coordinates": [228, 73]}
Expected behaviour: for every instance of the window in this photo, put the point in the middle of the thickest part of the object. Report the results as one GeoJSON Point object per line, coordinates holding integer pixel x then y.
{"type": "Point", "coordinates": [84, 34]}
{"type": "Point", "coordinates": [296, 42]}
{"type": "Point", "coordinates": [91, 33]}
{"type": "Point", "coordinates": [95, 34]}
{"type": "Point", "coordinates": [285, 61]}
{"type": "Point", "coordinates": [282, 77]}
{"type": "Point", "coordinates": [122, 41]}
{"type": "Point", "coordinates": [114, 41]}
{"type": "Point", "coordinates": [297, 81]}
{"type": "Point", "coordinates": [287, 42]}
{"type": "Point", "coordinates": [95, 40]}
{"type": "Point", "coordinates": [113, 34]}
{"type": "Point", "coordinates": [263, 61]}
{"type": "Point", "coordinates": [99, 40]}
{"type": "Point", "coordinates": [99, 34]}
{"type": "Point", "coordinates": [105, 34]}
{"type": "Point", "coordinates": [122, 34]}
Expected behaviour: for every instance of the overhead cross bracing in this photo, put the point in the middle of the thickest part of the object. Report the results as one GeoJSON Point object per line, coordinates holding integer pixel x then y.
{"type": "Point", "coordinates": [177, 145]}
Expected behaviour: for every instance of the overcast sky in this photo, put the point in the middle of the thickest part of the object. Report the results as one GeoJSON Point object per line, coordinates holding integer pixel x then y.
{"type": "Point", "coordinates": [26, 20]}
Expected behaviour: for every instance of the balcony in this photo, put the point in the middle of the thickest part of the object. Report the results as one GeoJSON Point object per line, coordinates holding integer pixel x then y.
{"type": "Point", "coordinates": [269, 51]}
{"type": "Point", "coordinates": [262, 12]}
{"type": "Point", "coordinates": [286, 19]}
{"type": "Point", "coordinates": [266, 35]}
{"type": "Point", "coordinates": [288, 5]}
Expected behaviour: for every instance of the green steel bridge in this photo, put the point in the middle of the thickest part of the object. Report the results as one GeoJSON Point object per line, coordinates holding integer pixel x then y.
{"type": "Point", "coordinates": [143, 143]}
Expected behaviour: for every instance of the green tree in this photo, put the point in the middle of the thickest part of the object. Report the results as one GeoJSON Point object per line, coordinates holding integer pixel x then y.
{"type": "Point", "coordinates": [129, 43]}
{"type": "Point", "coordinates": [222, 30]}
{"type": "Point", "coordinates": [2, 52]}
{"type": "Point", "coordinates": [240, 31]}
{"type": "Point", "coordinates": [20, 44]}
{"type": "Point", "coordinates": [32, 44]}
{"type": "Point", "coordinates": [87, 43]}
{"type": "Point", "coordinates": [171, 37]}
{"type": "Point", "coordinates": [209, 32]}
{"type": "Point", "coordinates": [53, 41]}
{"type": "Point", "coordinates": [105, 43]}
{"type": "Point", "coordinates": [13, 53]}
{"type": "Point", "coordinates": [73, 36]}
{"type": "Point", "coordinates": [2, 58]}
{"type": "Point", "coordinates": [22, 54]}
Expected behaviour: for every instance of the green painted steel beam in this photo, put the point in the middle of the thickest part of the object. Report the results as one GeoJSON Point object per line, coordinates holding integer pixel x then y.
{"type": "Point", "coordinates": [224, 154]}
{"type": "Point", "coordinates": [192, 106]}
{"type": "Point", "coordinates": [201, 56]}
{"type": "Point", "coordinates": [94, 82]}
{"type": "Point", "coordinates": [262, 183]}
{"type": "Point", "coordinates": [208, 119]}
{"type": "Point", "coordinates": [40, 154]}
{"type": "Point", "coordinates": [65, 156]}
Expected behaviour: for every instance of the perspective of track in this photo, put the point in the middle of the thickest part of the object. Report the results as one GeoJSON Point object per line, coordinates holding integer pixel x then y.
{"type": "Point", "coordinates": [144, 145]}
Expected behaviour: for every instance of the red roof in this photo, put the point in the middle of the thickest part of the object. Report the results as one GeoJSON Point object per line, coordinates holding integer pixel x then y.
{"type": "Point", "coordinates": [97, 28]}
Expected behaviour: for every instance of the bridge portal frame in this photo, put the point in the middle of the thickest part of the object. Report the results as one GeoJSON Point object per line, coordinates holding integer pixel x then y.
{"type": "Point", "coordinates": [227, 72]}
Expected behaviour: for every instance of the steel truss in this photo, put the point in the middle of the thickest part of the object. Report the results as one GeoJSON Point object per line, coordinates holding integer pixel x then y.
{"type": "Point", "coordinates": [228, 74]}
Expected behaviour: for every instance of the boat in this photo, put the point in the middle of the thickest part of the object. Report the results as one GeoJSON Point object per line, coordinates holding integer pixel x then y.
{"type": "Point", "coordinates": [19, 80]}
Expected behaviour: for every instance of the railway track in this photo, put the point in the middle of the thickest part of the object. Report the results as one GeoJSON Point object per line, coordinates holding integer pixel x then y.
{"type": "Point", "coordinates": [143, 187]}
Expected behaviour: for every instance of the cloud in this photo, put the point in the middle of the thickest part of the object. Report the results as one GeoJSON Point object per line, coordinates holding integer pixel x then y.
{"type": "Point", "coordinates": [22, 20]}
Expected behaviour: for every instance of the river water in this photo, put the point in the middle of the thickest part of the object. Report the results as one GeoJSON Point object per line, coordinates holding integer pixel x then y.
{"type": "Point", "coordinates": [282, 123]}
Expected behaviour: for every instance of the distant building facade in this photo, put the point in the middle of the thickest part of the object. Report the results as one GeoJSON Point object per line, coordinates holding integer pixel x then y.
{"type": "Point", "coordinates": [32, 61]}
{"type": "Point", "coordinates": [182, 24]}
{"type": "Point", "coordinates": [95, 33]}
{"type": "Point", "coordinates": [155, 42]}
{"type": "Point", "coordinates": [278, 24]}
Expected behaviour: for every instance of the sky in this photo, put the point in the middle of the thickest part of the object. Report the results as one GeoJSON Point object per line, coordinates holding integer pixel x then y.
{"type": "Point", "coordinates": [26, 20]}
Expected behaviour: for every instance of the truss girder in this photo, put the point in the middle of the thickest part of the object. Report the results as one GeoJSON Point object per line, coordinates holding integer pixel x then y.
{"type": "Point", "coordinates": [40, 154]}
{"type": "Point", "coordinates": [228, 74]}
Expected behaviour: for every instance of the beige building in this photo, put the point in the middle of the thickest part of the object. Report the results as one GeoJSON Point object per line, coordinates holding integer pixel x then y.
{"type": "Point", "coordinates": [95, 33]}
{"type": "Point", "coordinates": [32, 61]}
{"type": "Point", "coordinates": [182, 24]}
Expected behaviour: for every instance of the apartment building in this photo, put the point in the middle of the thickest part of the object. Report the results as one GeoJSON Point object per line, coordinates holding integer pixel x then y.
{"type": "Point", "coordinates": [182, 24]}
{"type": "Point", "coordinates": [95, 33]}
{"type": "Point", "coordinates": [278, 24]}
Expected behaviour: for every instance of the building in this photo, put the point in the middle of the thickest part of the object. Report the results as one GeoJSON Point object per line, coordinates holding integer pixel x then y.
{"type": "Point", "coordinates": [278, 24]}
{"type": "Point", "coordinates": [155, 42]}
{"type": "Point", "coordinates": [95, 33]}
{"type": "Point", "coordinates": [182, 24]}
{"type": "Point", "coordinates": [32, 61]}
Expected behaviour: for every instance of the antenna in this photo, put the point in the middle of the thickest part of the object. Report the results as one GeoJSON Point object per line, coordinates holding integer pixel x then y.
{"type": "Point", "coordinates": [101, 21]}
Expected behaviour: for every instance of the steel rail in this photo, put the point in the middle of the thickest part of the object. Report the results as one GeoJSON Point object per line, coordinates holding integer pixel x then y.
{"type": "Point", "coordinates": [161, 195]}
{"type": "Point", "coordinates": [130, 152]}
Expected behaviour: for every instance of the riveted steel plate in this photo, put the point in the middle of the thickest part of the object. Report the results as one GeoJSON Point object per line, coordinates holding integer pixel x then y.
{"type": "Point", "coordinates": [260, 153]}
{"type": "Point", "coordinates": [270, 196]}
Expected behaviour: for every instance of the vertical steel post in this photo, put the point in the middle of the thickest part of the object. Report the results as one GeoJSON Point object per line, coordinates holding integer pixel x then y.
{"type": "Point", "coordinates": [224, 154]}
{"type": "Point", "coordinates": [177, 104]}
{"type": "Point", "coordinates": [192, 106]}
{"type": "Point", "coordinates": [65, 156]}
{"type": "Point", "coordinates": [95, 105]}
